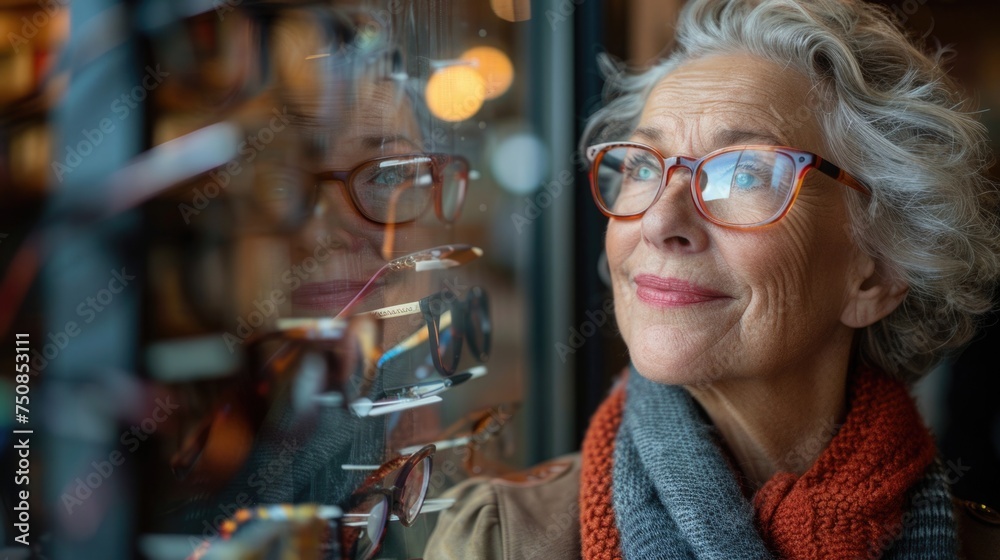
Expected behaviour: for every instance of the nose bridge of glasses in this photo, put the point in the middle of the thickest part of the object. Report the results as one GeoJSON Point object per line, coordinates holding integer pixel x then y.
{"type": "Point", "coordinates": [679, 170]}
{"type": "Point", "coordinates": [675, 163]}
{"type": "Point", "coordinates": [333, 184]}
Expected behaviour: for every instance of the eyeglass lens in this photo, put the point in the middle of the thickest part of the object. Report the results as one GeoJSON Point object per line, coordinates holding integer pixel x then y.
{"type": "Point", "coordinates": [739, 187]}
{"type": "Point", "coordinates": [469, 319]}
{"type": "Point", "coordinates": [479, 327]}
{"type": "Point", "coordinates": [414, 489]}
{"type": "Point", "coordinates": [453, 184]}
{"type": "Point", "coordinates": [367, 539]}
{"type": "Point", "coordinates": [394, 190]}
{"type": "Point", "coordinates": [389, 190]}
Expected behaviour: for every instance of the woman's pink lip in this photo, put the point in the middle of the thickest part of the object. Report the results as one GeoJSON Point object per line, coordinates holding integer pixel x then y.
{"type": "Point", "coordinates": [330, 296]}
{"type": "Point", "coordinates": [673, 292]}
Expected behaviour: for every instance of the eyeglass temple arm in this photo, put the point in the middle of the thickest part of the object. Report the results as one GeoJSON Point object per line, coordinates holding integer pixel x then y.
{"type": "Point", "coordinates": [419, 336]}
{"type": "Point", "coordinates": [400, 310]}
{"type": "Point", "coordinates": [840, 175]}
{"type": "Point", "coordinates": [365, 408]}
{"type": "Point", "coordinates": [435, 258]}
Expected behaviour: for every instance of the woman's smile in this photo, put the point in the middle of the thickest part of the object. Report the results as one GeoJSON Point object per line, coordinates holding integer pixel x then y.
{"type": "Point", "coordinates": [673, 292]}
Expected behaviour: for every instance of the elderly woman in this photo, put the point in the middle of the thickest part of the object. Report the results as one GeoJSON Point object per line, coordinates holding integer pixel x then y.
{"type": "Point", "coordinates": [798, 231]}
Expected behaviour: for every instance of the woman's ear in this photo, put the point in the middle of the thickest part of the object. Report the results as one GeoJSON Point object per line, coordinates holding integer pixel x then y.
{"type": "Point", "coordinates": [873, 293]}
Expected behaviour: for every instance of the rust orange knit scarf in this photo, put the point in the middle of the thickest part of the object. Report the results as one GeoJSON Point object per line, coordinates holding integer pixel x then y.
{"type": "Point", "coordinates": [836, 509]}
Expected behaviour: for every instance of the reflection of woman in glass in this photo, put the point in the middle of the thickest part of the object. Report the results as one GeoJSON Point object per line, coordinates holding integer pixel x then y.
{"type": "Point", "coordinates": [373, 193]}
{"type": "Point", "coordinates": [347, 190]}
{"type": "Point", "coordinates": [378, 196]}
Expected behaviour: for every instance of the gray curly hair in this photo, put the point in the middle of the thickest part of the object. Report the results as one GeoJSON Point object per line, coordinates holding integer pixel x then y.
{"type": "Point", "coordinates": [892, 118]}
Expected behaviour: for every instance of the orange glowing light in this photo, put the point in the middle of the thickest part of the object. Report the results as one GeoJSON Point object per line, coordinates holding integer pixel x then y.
{"type": "Point", "coordinates": [495, 68]}
{"type": "Point", "coordinates": [455, 93]}
{"type": "Point", "coordinates": [512, 10]}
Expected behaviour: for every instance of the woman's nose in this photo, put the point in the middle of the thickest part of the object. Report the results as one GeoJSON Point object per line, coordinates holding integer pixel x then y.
{"type": "Point", "coordinates": [334, 215]}
{"type": "Point", "coordinates": [672, 223]}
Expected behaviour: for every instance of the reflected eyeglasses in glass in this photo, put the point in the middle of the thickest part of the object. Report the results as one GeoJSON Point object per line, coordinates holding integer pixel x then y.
{"type": "Point", "coordinates": [398, 189]}
{"type": "Point", "coordinates": [450, 322]}
{"type": "Point", "coordinates": [404, 498]}
{"type": "Point", "coordinates": [738, 187]}
{"type": "Point", "coordinates": [387, 190]}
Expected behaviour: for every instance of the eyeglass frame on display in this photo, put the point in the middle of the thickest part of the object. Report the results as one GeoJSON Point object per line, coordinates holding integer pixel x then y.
{"type": "Point", "coordinates": [412, 396]}
{"type": "Point", "coordinates": [325, 329]}
{"type": "Point", "coordinates": [481, 423]}
{"type": "Point", "coordinates": [405, 464]}
{"type": "Point", "coordinates": [435, 258]}
{"type": "Point", "coordinates": [459, 325]}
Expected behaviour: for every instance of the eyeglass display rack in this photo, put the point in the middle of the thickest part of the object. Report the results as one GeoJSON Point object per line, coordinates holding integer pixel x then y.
{"type": "Point", "coordinates": [145, 397]}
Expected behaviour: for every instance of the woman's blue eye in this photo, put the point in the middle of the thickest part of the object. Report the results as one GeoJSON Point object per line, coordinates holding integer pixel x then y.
{"type": "Point", "coordinates": [641, 170]}
{"type": "Point", "coordinates": [748, 177]}
{"type": "Point", "coordinates": [390, 178]}
{"type": "Point", "coordinates": [743, 180]}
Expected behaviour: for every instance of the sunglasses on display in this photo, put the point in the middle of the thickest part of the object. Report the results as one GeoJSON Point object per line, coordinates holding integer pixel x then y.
{"type": "Point", "coordinates": [450, 323]}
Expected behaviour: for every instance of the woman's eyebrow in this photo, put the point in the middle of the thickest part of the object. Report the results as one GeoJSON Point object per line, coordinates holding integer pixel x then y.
{"type": "Point", "coordinates": [721, 139]}
{"type": "Point", "coordinates": [730, 137]}
{"type": "Point", "coordinates": [649, 133]}
{"type": "Point", "coordinates": [375, 142]}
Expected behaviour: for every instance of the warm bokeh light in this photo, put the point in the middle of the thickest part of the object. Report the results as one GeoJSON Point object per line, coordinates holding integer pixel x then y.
{"type": "Point", "coordinates": [512, 10]}
{"type": "Point", "coordinates": [495, 68]}
{"type": "Point", "coordinates": [455, 93]}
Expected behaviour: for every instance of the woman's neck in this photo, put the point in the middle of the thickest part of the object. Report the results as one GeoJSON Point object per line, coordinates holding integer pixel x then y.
{"type": "Point", "coordinates": [778, 423]}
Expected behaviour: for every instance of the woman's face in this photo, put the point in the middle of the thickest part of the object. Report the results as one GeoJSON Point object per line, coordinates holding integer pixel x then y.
{"type": "Point", "coordinates": [329, 251]}
{"type": "Point", "coordinates": [376, 123]}
{"type": "Point", "coordinates": [696, 302]}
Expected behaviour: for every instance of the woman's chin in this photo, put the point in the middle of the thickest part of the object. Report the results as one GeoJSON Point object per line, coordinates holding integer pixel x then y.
{"type": "Point", "coordinates": [671, 372]}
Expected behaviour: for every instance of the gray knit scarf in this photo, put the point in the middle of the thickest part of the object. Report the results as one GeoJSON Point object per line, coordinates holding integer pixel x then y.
{"type": "Point", "coordinates": [674, 496]}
